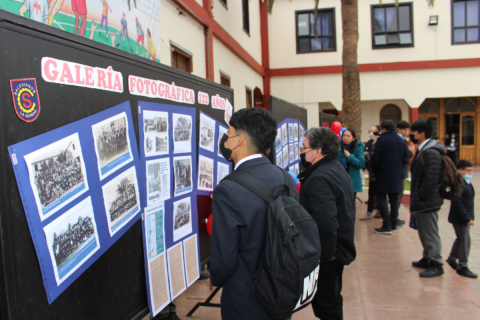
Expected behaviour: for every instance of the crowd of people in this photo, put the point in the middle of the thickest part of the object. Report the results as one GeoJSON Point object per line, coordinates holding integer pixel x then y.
{"type": "Point", "coordinates": [123, 202]}
{"type": "Point", "coordinates": [68, 241]}
{"type": "Point", "coordinates": [56, 178]}
{"type": "Point", "coordinates": [111, 141]}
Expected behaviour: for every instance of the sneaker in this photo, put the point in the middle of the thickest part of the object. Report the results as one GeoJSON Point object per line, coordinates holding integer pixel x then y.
{"type": "Point", "coordinates": [377, 215]}
{"type": "Point", "coordinates": [434, 270]}
{"type": "Point", "coordinates": [367, 216]}
{"type": "Point", "coordinates": [383, 230]}
{"type": "Point", "coordinates": [452, 264]}
{"type": "Point", "coordinates": [394, 230]}
{"type": "Point", "coordinates": [400, 222]}
{"type": "Point", "coordinates": [465, 272]}
{"type": "Point", "coordinates": [422, 263]}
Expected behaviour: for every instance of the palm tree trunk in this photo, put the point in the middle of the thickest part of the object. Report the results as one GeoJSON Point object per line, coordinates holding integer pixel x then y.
{"type": "Point", "coordinates": [351, 111]}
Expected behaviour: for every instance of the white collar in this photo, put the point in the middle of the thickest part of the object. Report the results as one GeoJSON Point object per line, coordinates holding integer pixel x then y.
{"type": "Point", "coordinates": [253, 156]}
{"type": "Point", "coordinates": [420, 147]}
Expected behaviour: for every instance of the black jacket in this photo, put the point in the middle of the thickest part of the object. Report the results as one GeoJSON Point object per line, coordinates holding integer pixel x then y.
{"type": "Point", "coordinates": [389, 156]}
{"type": "Point", "coordinates": [461, 209]}
{"type": "Point", "coordinates": [327, 194]}
{"type": "Point", "coordinates": [239, 227]}
{"type": "Point", "coordinates": [426, 176]}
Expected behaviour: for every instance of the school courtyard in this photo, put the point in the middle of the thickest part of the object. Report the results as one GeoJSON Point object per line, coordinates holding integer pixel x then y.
{"type": "Point", "coordinates": [381, 283]}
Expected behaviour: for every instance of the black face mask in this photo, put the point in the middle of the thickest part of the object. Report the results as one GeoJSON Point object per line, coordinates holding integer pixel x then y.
{"type": "Point", "coordinates": [412, 138]}
{"type": "Point", "coordinates": [226, 153]}
{"type": "Point", "coordinates": [305, 163]}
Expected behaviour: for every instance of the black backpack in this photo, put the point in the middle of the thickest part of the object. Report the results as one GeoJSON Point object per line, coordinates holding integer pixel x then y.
{"type": "Point", "coordinates": [288, 271]}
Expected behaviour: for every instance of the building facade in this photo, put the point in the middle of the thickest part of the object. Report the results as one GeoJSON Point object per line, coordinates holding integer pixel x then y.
{"type": "Point", "coordinates": [415, 60]}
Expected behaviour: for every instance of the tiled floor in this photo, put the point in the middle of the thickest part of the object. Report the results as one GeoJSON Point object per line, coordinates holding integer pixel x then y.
{"type": "Point", "coordinates": [382, 284]}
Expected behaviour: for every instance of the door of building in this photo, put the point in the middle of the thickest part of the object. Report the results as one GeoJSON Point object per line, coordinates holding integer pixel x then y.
{"type": "Point", "coordinates": [467, 136]}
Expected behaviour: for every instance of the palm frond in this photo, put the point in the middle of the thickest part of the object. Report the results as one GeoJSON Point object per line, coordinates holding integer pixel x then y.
{"type": "Point", "coordinates": [270, 5]}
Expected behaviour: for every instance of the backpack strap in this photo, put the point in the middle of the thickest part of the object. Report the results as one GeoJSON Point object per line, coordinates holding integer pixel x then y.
{"type": "Point", "coordinates": [252, 183]}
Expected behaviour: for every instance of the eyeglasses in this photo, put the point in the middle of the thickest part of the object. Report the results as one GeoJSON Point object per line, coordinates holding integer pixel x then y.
{"type": "Point", "coordinates": [304, 148]}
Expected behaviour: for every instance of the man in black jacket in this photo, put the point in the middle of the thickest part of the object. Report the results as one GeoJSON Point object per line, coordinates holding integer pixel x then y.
{"type": "Point", "coordinates": [327, 194]}
{"type": "Point", "coordinates": [388, 158]}
{"type": "Point", "coordinates": [240, 216]}
{"type": "Point", "coordinates": [461, 216]}
{"type": "Point", "coordinates": [425, 199]}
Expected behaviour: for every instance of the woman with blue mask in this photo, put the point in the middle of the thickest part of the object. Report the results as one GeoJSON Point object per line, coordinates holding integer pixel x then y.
{"type": "Point", "coordinates": [352, 158]}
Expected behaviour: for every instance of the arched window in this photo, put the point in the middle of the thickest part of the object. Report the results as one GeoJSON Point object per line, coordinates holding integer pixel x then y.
{"type": "Point", "coordinates": [428, 107]}
{"type": "Point", "coordinates": [391, 112]}
{"type": "Point", "coordinates": [460, 105]}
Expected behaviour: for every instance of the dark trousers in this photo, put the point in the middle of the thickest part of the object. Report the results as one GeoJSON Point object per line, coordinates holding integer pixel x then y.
{"type": "Point", "coordinates": [461, 246]}
{"type": "Point", "coordinates": [389, 218]}
{"type": "Point", "coordinates": [328, 301]}
{"type": "Point", "coordinates": [372, 196]}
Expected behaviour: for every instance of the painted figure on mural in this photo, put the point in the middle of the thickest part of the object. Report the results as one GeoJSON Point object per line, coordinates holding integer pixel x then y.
{"type": "Point", "coordinates": [134, 2]}
{"type": "Point", "coordinates": [54, 7]}
{"type": "Point", "coordinates": [38, 10]}
{"type": "Point", "coordinates": [140, 37]}
{"type": "Point", "coordinates": [79, 8]}
{"type": "Point", "coordinates": [124, 33]}
{"type": "Point", "coordinates": [151, 47]}
{"type": "Point", "coordinates": [106, 8]}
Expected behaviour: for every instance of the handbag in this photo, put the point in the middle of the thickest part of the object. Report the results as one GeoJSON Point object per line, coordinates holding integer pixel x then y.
{"type": "Point", "coordinates": [413, 221]}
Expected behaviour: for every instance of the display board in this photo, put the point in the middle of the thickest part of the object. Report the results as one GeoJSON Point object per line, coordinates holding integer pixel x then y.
{"type": "Point", "coordinates": [80, 191]}
{"type": "Point", "coordinates": [114, 285]}
{"type": "Point", "coordinates": [291, 126]}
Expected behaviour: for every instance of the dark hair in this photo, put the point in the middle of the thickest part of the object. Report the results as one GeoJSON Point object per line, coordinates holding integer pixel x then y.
{"type": "Point", "coordinates": [464, 164]}
{"type": "Point", "coordinates": [388, 125]}
{"type": "Point", "coordinates": [403, 125]}
{"type": "Point", "coordinates": [325, 139]}
{"type": "Point", "coordinates": [422, 125]}
{"type": "Point", "coordinates": [378, 128]}
{"type": "Point", "coordinates": [354, 135]}
{"type": "Point", "coordinates": [258, 124]}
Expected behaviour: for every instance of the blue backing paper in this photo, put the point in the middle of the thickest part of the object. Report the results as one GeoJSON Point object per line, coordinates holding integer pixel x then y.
{"type": "Point", "coordinates": [84, 129]}
{"type": "Point", "coordinates": [168, 204]}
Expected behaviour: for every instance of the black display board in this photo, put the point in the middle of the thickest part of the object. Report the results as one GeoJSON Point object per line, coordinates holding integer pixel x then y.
{"type": "Point", "coordinates": [114, 286]}
{"type": "Point", "coordinates": [282, 110]}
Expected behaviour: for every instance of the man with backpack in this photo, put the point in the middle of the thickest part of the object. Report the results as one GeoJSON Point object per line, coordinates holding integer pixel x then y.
{"type": "Point", "coordinates": [425, 198]}
{"type": "Point", "coordinates": [327, 194]}
{"type": "Point", "coordinates": [248, 251]}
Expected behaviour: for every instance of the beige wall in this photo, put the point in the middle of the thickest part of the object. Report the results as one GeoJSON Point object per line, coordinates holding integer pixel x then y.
{"type": "Point", "coordinates": [188, 34]}
{"type": "Point", "coordinates": [231, 19]}
{"type": "Point", "coordinates": [241, 75]}
{"type": "Point", "coordinates": [371, 114]}
{"type": "Point", "coordinates": [430, 42]}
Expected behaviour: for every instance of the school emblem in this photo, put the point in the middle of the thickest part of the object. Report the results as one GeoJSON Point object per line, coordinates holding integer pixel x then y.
{"type": "Point", "coordinates": [25, 98]}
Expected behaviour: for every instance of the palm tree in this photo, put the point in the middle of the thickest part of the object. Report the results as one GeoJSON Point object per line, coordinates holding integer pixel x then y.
{"type": "Point", "coordinates": [123, 186]}
{"type": "Point", "coordinates": [62, 156]}
{"type": "Point", "coordinates": [351, 109]}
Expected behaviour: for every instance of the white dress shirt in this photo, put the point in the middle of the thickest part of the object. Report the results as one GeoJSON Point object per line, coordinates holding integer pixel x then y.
{"type": "Point", "coordinates": [253, 156]}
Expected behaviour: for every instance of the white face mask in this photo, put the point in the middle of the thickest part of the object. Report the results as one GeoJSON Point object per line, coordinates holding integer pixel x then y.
{"type": "Point", "coordinates": [372, 136]}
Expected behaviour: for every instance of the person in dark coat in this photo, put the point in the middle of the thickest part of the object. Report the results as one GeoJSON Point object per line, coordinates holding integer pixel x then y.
{"type": "Point", "coordinates": [403, 130]}
{"type": "Point", "coordinates": [388, 158]}
{"type": "Point", "coordinates": [327, 194]}
{"type": "Point", "coordinates": [461, 216]}
{"type": "Point", "coordinates": [452, 145]}
{"type": "Point", "coordinates": [373, 133]}
{"type": "Point", "coordinates": [425, 199]}
{"type": "Point", "coordinates": [240, 216]}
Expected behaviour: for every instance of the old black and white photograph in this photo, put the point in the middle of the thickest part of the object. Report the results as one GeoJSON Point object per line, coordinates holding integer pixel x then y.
{"type": "Point", "coordinates": [285, 156]}
{"type": "Point", "coordinates": [112, 144]}
{"type": "Point", "coordinates": [223, 170]}
{"type": "Point", "coordinates": [290, 132]}
{"type": "Point", "coordinates": [182, 218]}
{"type": "Point", "coordinates": [284, 134]}
{"type": "Point", "coordinates": [71, 239]}
{"type": "Point", "coordinates": [121, 199]}
{"type": "Point", "coordinates": [183, 174]}
{"type": "Point", "coordinates": [279, 159]}
{"type": "Point", "coordinates": [221, 131]}
{"type": "Point", "coordinates": [205, 173]}
{"type": "Point", "coordinates": [158, 180]}
{"type": "Point", "coordinates": [301, 135]}
{"type": "Point", "coordinates": [155, 133]}
{"type": "Point", "coordinates": [295, 150]}
{"type": "Point", "coordinates": [295, 131]}
{"type": "Point", "coordinates": [207, 133]}
{"type": "Point", "coordinates": [291, 152]}
{"type": "Point", "coordinates": [182, 133]}
{"type": "Point", "coordinates": [57, 174]}
{"type": "Point", "coordinates": [278, 140]}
